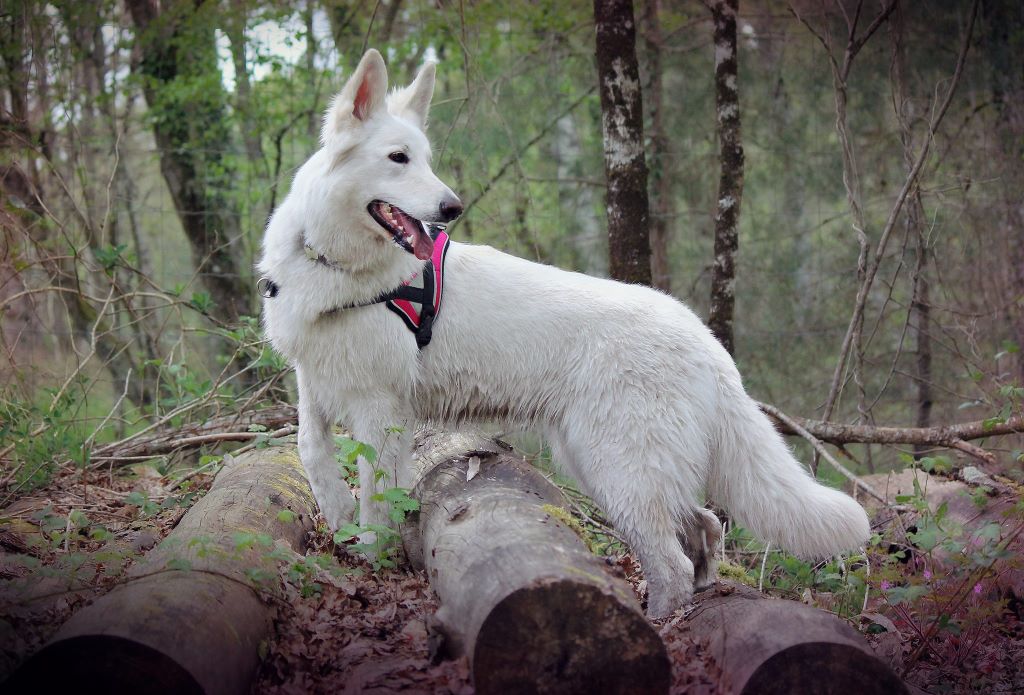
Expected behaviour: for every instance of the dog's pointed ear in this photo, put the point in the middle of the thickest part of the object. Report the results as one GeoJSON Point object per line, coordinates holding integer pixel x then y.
{"type": "Point", "coordinates": [413, 102]}
{"type": "Point", "coordinates": [361, 97]}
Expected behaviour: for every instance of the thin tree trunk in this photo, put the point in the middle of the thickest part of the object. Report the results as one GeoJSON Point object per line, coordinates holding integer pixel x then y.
{"type": "Point", "coordinates": [730, 182]}
{"type": "Point", "coordinates": [622, 126]}
{"type": "Point", "coordinates": [313, 117]}
{"type": "Point", "coordinates": [101, 333]}
{"type": "Point", "coordinates": [388, 27]}
{"type": "Point", "coordinates": [234, 26]}
{"type": "Point", "coordinates": [920, 309]}
{"type": "Point", "coordinates": [661, 181]}
{"type": "Point", "coordinates": [190, 159]}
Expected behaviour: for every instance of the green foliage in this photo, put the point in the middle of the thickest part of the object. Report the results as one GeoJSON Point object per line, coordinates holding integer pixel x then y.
{"type": "Point", "coordinates": [43, 437]}
{"type": "Point", "coordinates": [936, 581]}
{"type": "Point", "coordinates": [109, 256]}
{"type": "Point", "coordinates": [347, 453]}
{"type": "Point", "coordinates": [838, 584]}
{"type": "Point", "coordinates": [381, 544]}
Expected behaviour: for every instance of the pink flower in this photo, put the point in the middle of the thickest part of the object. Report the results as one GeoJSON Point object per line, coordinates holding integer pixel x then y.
{"type": "Point", "coordinates": [927, 574]}
{"type": "Point", "coordinates": [886, 585]}
{"type": "Point", "coordinates": [977, 588]}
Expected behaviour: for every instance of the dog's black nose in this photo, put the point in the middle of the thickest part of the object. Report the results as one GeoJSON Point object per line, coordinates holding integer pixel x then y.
{"type": "Point", "coordinates": [450, 209]}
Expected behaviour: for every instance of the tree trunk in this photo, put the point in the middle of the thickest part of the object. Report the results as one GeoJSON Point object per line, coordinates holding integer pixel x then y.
{"type": "Point", "coordinates": [235, 21]}
{"type": "Point", "coordinates": [520, 594]}
{"type": "Point", "coordinates": [730, 183]}
{"type": "Point", "coordinates": [188, 620]}
{"type": "Point", "coordinates": [920, 308]}
{"type": "Point", "coordinates": [622, 127]}
{"type": "Point", "coordinates": [766, 646]}
{"type": "Point", "coordinates": [177, 52]}
{"type": "Point", "coordinates": [661, 181]}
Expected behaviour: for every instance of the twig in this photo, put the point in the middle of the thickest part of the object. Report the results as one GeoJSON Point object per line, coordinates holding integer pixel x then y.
{"type": "Point", "coordinates": [972, 450]}
{"type": "Point", "coordinates": [764, 561]}
{"type": "Point", "coordinates": [530, 143]}
{"type": "Point", "coordinates": [890, 223]}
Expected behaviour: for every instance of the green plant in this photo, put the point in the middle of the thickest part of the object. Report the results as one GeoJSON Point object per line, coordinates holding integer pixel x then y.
{"type": "Point", "coordinates": [43, 437]}
{"type": "Point", "coordinates": [934, 578]}
{"type": "Point", "coordinates": [838, 584]}
{"type": "Point", "coordinates": [381, 544]}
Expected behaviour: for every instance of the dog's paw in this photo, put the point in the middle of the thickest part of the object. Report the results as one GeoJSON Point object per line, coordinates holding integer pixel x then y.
{"type": "Point", "coordinates": [338, 510]}
{"type": "Point", "coordinates": [661, 604]}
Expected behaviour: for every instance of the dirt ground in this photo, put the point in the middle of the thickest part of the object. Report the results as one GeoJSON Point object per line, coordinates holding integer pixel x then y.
{"type": "Point", "coordinates": [357, 630]}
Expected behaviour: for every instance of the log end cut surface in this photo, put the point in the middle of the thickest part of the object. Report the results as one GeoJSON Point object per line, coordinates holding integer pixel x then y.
{"type": "Point", "coordinates": [841, 670]}
{"type": "Point", "coordinates": [766, 645]}
{"type": "Point", "coordinates": [102, 663]}
{"type": "Point", "coordinates": [567, 637]}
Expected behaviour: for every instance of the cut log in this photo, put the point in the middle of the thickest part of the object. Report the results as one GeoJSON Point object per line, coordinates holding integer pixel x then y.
{"type": "Point", "coordinates": [767, 646]}
{"type": "Point", "coordinates": [520, 594]}
{"type": "Point", "coordinates": [189, 619]}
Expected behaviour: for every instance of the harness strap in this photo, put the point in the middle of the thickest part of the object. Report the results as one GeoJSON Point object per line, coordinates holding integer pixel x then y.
{"type": "Point", "coordinates": [416, 306]}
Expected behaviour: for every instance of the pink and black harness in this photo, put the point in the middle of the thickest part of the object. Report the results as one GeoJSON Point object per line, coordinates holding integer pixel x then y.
{"type": "Point", "coordinates": [417, 301]}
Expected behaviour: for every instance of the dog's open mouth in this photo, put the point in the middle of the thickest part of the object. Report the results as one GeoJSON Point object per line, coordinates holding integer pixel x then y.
{"type": "Point", "coordinates": [407, 231]}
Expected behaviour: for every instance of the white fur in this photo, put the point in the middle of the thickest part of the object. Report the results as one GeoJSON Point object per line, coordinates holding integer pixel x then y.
{"type": "Point", "coordinates": [639, 401]}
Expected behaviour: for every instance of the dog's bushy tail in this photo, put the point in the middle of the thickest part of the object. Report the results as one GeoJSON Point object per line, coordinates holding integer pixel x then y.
{"type": "Point", "coordinates": [757, 480]}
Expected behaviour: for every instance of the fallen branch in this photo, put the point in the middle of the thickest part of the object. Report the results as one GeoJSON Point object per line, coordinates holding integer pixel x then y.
{"type": "Point", "coordinates": [192, 435]}
{"type": "Point", "coordinates": [942, 435]}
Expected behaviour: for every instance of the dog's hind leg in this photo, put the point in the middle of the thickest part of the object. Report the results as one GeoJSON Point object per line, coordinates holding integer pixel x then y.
{"type": "Point", "coordinates": [700, 536]}
{"type": "Point", "coordinates": [642, 506]}
{"type": "Point", "coordinates": [316, 450]}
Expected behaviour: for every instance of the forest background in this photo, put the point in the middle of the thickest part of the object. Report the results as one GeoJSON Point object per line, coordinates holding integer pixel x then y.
{"type": "Point", "coordinates": [145, 144]}
{"type": "Point", "coordinates": [837, 186]}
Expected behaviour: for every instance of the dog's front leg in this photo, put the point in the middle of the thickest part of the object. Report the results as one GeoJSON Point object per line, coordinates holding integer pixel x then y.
{"type": "Point", "coordinates": [316, 450]}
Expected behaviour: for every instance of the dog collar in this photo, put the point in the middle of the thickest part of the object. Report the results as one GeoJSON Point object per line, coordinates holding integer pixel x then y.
{"type": "Point", "coordinates": [417, 301]}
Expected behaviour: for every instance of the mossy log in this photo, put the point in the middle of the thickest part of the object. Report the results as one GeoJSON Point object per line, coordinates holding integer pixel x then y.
{"type": "Point", "coordinates": [189, 619]}
{"type": "Point", "coordinates": [768, 646]}
{"type": "Point", "coordinates": [520, 593]}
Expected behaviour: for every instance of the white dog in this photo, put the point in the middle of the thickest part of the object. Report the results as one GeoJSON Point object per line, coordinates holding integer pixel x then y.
{"type": "Point", "coordinates": [639, 401]}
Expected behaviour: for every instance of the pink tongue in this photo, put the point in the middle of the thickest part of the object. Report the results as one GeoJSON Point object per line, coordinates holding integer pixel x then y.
{"type": "Point", "coordinates": [422, 244]}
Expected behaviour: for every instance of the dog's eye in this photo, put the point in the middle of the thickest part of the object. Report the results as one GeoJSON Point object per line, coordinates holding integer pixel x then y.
{"type": "Point", "coordinates": [399, 157]}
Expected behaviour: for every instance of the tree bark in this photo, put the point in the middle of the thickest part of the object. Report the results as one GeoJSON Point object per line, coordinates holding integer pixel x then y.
{"type": "Point", "coordinates": [197, 630]}
{"type": "Point", "coordinates": [177, 48]}
{"type": "Point", "coordinates": [766, 646]}
{"type": "Point", "coordinates": [520, 594]}
{"type": "Point", "coordinates": [661, 181]}
{"type": "Point", "coordinates": [622, 127]}
{"type": "Point", "coordinates": [730, 182]}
